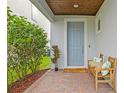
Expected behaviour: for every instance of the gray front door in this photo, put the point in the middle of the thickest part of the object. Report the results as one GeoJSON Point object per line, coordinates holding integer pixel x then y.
{"type": "Point", "coordinates": [75, 43]}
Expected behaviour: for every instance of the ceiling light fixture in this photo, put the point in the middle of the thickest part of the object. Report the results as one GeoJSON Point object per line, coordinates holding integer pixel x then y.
{"type": "Point", "coordinates": [75, 5]}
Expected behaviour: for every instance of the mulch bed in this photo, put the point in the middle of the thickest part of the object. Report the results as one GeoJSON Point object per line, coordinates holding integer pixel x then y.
{"type": "Point", "coordinates": [21, 85]}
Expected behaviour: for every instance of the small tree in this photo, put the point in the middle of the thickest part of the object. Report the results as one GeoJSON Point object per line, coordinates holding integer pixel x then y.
{"type": "Point", "coordinates": [56, 55]}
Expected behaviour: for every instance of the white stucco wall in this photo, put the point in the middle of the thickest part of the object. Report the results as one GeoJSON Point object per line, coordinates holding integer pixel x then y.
{"type": "Point", "coordinates": [23, 8]}
{"type": "Point", "coordinates": [106, 41]}
{"type": "Point", "coordinates": [57, 36]}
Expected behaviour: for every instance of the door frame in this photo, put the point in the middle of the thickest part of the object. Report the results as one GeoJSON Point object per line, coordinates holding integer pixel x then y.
{"type": "Point", "coordinates": [65, 41]}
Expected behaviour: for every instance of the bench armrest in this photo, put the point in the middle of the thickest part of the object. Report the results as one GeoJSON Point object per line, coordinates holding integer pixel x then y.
{"type": "Point", "coordinates": [100, 69]}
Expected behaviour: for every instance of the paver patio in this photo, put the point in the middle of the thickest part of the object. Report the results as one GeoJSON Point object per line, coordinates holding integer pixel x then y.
{"type": "Point", "coordinates": [61, 82]}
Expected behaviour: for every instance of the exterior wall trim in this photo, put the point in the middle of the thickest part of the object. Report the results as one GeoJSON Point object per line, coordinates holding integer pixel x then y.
{"type": "Point", "coordinates": [44, 9]}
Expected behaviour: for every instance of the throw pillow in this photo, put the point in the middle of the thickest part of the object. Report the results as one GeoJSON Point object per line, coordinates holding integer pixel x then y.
{"type": "Point", "coordinates": [107, 64]}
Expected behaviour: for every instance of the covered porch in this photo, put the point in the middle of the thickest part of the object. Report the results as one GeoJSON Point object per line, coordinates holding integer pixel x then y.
{"type": "Point", "coordinates": [81, 29]}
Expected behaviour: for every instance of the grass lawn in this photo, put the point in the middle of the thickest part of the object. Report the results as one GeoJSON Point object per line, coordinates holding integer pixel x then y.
{"type": "Point", "coordinates": [12, 76]}
{"type": "Point", "coordinates": [45, 63]}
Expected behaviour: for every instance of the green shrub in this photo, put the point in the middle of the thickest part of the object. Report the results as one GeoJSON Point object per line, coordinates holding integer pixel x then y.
{"type": "Point", "coordinates": [27, 44]}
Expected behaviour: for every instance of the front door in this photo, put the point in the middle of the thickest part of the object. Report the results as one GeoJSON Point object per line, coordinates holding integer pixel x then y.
{"type": "Point", "coordinates": [75, 43]}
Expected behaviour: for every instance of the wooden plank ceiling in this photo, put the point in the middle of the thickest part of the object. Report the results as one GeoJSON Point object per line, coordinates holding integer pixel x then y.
{"type": "Point", "coordinates": [66, 7]}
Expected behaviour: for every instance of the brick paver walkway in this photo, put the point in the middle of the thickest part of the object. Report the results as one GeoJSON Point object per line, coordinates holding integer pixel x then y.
{"type": "Point", "coordinates": [61, 82]}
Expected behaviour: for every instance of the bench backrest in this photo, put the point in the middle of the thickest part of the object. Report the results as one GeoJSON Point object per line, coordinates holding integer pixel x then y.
{"type": "Point", "coordinates": [113, 61]}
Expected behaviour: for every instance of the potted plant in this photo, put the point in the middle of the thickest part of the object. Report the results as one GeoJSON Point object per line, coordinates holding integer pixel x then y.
{"type": "Point", "coordinates": [55, 55]}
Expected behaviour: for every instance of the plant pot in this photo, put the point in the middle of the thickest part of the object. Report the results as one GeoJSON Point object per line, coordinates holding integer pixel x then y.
{"type": "Point", "coordinates": [56, 68]}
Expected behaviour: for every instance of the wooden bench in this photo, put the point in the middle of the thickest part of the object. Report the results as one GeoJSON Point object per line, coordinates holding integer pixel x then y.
{"type": "Point", "coordinates": [99, 78]}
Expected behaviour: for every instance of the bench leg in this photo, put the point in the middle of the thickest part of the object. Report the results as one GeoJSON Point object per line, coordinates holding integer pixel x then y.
{"type": "Point", "coordinates": [96, 86]}
{"type": "Point", "coordinates": [113, 85]}
{"type": "Point", "coordinates": [96, 82]}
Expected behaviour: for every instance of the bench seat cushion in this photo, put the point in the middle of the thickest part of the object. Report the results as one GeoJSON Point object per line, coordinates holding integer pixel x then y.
{"type": "Point", "coordinates": [95, 64]}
